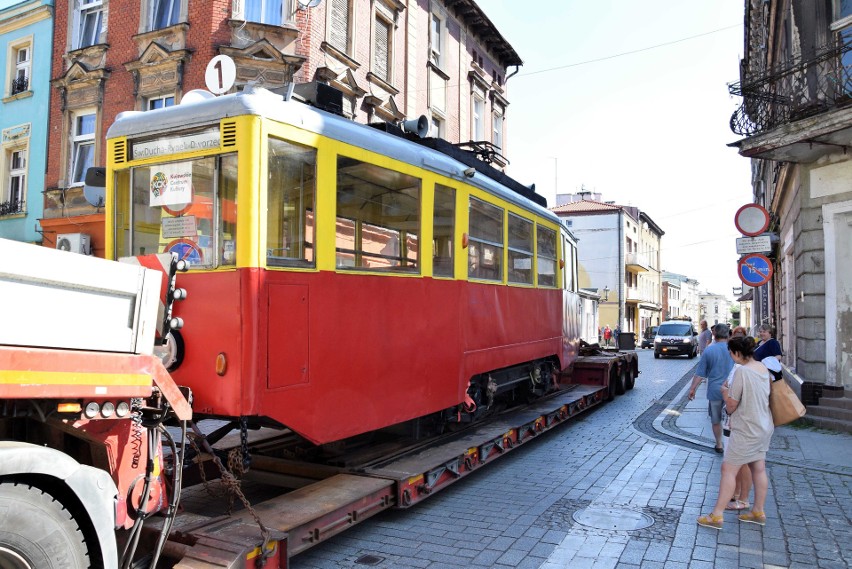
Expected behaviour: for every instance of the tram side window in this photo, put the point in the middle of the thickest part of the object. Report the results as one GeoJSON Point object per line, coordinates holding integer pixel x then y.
{"type": "Point", "coordinates": [178, 207]}
{"type": "Point", "coordinates": [485, 247]}
{"type": "Point", "coordinates": [378, 217]}
{"type": "Point", "coordinates": [546, 256]}
{"type": "Point", "coordinates": [443, 230]}
{"type": "Point", "coordinates": [520, 250]}
{"type": "Point", "coordinates": [569, 254]}
{"type": "Point", "coordinates": [291, 199]}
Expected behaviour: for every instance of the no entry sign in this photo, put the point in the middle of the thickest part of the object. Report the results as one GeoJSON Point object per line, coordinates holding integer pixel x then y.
{"type": "Point", "coordinates": [755, 270]}
{"type": "Point", "coordinates": [752, 219]}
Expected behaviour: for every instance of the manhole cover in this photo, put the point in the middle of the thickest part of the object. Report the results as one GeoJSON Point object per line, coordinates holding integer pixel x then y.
{"type": "Point", "coordinates": [369, 560]}
{"type": "Point", "coordinates": [619, 519]}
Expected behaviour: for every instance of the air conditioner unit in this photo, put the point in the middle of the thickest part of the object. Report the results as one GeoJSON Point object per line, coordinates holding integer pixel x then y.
{"type": "Point", "coordinates": [74, 242]}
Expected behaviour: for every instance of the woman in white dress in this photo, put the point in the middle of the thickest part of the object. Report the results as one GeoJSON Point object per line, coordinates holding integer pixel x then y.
{"type": "Point", "coordinates": [747, 401]}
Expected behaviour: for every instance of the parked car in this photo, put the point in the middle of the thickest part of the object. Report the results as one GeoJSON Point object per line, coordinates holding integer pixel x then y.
{"type": "Point", "coordinates": [648, 337]}
{"type": "Point", "coordinates": [676, 338]}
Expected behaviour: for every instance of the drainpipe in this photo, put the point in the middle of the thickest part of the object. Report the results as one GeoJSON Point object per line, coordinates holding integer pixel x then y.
{"type": "Point", "coordinates": [620, 268]}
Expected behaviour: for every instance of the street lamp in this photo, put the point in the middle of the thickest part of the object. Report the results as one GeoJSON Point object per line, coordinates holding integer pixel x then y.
{"type": "Point", "coordinates": [605, 293]}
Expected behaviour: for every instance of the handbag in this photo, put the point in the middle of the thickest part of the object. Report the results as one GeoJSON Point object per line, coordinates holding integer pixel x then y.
{"type": "Point", "coordinates": [784, 403]}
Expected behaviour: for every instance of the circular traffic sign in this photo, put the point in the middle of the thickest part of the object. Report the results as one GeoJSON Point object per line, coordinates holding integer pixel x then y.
{"type": "Point", "coordinates": [220, 74]}
{"type": "Point", "coordinates": [752, 219]}
{"type": "Point", "coordinates": [755, 270]}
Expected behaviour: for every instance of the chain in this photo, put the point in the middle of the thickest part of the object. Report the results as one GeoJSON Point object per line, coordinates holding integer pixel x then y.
{"type": "Point", "coordinates": [232, 485]}
{"type": "Point", "coordinates": [244, 443]}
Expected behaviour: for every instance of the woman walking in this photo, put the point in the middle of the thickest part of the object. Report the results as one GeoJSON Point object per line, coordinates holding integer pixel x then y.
{"type": "Point", "coordinates": [747, 401]}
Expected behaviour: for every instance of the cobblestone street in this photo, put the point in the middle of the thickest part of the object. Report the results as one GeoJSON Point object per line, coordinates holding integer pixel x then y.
{"type": "Point", "coordinates": [620, 487]}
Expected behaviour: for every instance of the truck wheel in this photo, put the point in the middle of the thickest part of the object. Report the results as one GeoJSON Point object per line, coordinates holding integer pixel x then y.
{"type": "Point", "coordinates": [36, 531]}
{"type": "Point", "coordinates": [621, 382]}
{"type": "Point", "coordinates": [631, 379]}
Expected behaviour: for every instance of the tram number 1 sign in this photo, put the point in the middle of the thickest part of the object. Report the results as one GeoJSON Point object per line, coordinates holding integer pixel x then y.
{"type": "Point", "coordinates": [220, 74]}
{"type": "Point", "coordinates": [755, 270]}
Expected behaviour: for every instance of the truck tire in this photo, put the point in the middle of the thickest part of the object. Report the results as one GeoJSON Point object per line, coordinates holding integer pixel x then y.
{"type": "Point", "coordinates": [37, 532]}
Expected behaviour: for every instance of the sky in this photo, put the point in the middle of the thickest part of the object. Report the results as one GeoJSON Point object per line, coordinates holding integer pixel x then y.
{"type": "Point", "coordinates": [630, 99]}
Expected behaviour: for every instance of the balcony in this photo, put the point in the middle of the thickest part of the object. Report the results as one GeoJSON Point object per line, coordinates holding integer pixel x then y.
{"type": "Point", "coordinates": [20, 85]}
{"type": "Point", "coordinates": [798, 110]}
{"type": "Point", "coordinates": [11, 207]}
{"type": "Point", "coordinates": [637, 262]}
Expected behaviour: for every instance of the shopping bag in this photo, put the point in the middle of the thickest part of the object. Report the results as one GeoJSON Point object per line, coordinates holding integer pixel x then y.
{"type": "Point", "coordinates": [784, 403]}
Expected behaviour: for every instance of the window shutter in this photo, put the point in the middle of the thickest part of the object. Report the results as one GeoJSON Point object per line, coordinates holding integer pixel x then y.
{"type": "Point", "coordinates": [381, 64]}
{"type": "Point", "coordinates": [339, 28]}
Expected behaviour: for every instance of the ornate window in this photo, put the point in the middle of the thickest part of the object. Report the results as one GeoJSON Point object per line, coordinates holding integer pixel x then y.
{"type": "Point", "coordinates": [265, 11]}
{"type": "Point", "coordinates": [382, 48]}
{"type": "Point", "coordinates": [82, 145]}
{"type": "Point", "coordinates": [22, 56]}
{"type": "Point", "coordinates": [160, 102]}
{"type": "Point", "coordinates": [164, 13]}
{"type": "Point", "coordinates": [339, 34]}
{"type": "Point", "coordinates": [88, 23]}
{"type": "Point", "coordinates": [14, 191]}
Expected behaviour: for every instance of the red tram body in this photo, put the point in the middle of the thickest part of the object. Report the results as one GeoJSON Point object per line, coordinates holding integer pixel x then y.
{"type": "Point", "coordinates": [323, 350]}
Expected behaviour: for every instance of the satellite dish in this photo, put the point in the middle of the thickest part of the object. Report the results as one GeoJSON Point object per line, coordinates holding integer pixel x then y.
{"type": "Point", "coordinates": [196, 96]}
{"type": "Point", "coordinates": [305, 4]}
{"type": "Point", "coordinates": [94, 188]}
{"type": "Point", "coordinates": [94, 195]}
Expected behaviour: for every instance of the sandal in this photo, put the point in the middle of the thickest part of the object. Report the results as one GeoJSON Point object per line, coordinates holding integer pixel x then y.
{"type": "Point", "coordinates": [753, 517]}
{"type": "Point", "coordinates": [711, 521]}
{"type": "Point", "coordinates": [737, 505]}
{"type": "Point", "coordinates": [720, 450]}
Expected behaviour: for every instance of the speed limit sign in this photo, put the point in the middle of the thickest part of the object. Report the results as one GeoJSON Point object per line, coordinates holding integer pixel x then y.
{"type": "Point", "coordinates": [220, 75]}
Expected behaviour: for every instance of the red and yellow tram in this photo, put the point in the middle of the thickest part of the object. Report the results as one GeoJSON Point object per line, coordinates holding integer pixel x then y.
{"type": "Point", "coordinates": [342, 279]}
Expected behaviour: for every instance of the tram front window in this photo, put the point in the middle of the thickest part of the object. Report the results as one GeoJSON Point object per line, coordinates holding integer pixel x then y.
{"type": "Point", "coordinates": [290, 204]}
{"type": "Point", "coordinates": [186, 207]}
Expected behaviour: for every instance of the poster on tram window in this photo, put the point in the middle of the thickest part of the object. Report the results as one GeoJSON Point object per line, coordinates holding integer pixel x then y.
{"type": "Point", "coordinates": [171, 184]}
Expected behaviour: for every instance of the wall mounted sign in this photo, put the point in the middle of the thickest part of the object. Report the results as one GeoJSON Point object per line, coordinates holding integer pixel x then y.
{"type": "Point", "coordinates": [752, 219]}
{"type": "Point", "coordinates": [759, 244]}
{"type": "Point", "coordinates": [754, 270]}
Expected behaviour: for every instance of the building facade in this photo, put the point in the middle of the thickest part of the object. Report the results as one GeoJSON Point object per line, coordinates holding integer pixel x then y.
{"type": "Point", "coordinates": [795, 125]}
{"type": "Point", "coordinates": [715, 309]}
{"type": "Point", "coordinates": [26, 37]}
{"type": "Point", "coordinates": [619, 255]}
{"type": "Point", "coordinates": [391, 59]}
{"type": "Point", "coordinates": [690, 297]}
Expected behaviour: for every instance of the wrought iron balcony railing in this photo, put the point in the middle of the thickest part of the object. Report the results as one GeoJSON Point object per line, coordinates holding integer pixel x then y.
{"type": "Point", "coordinates": [11, 207]}
{"type": "Point", "coordinates": [793, 90]}
{"type": "Point", "coordinates": [20, 85]}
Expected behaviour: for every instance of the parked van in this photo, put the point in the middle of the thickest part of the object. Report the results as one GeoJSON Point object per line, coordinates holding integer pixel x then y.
{"type": "Point", "coordinates": [648, 337]}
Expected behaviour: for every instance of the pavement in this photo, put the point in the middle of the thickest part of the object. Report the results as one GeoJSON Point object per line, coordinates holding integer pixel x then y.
{"type": "Point", "coordinates": [793, 445]}
{"type": "Point", "coordinates": [620, 488]}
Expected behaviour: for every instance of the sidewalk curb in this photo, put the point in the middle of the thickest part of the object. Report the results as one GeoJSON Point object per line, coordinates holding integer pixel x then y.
{"type": "Point", "coordinates": [666, 423]}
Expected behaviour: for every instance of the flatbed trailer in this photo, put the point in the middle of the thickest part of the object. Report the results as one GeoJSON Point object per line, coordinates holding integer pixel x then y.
{"type": "Point", "coordinates": [74, 407]}
{"type": "Point", "coordinates": [309, 515]}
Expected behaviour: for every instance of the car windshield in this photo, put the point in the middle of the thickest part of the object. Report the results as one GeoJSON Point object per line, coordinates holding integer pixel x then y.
{"type": "Point", "coordinates": [675, 330]}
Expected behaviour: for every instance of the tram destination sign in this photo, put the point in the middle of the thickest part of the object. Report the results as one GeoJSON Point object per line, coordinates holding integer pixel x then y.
{"type": "Point", "coordinates": [759, 244]}
{"type": "Point", "coordinates": [207, 140]}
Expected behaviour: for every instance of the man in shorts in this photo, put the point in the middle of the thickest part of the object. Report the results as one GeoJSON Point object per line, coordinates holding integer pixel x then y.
{"type": "Point", "coordinates": [714, 366]}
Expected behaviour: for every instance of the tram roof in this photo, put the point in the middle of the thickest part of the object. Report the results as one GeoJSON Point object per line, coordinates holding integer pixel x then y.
{"type": "Point", "coordinates": [261, 102]}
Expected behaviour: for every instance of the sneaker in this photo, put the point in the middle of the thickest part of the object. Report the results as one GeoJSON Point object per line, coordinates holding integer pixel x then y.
{"type": "Point", "coordinates": [753, 517]}
{"type": "Point", "coordinates": [711, 521]}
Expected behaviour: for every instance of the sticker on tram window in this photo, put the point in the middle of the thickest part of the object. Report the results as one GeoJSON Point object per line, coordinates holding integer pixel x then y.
{"type": "Point", "coordinates": [185, 226]}
{"type": "Point", "coordinates": [187, 250]}
{"type": "Point", "coordinates": [171, 184]}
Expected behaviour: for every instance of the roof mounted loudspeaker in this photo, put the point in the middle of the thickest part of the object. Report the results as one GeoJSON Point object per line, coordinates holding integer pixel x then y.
{"type": "Point", "coordinates": [418, 126]}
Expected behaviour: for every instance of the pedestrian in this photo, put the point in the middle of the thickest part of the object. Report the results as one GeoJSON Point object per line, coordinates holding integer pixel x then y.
{"type": "Point", "coordinates": [714, 366]}
{"type": "Point", "coordinates": [768, 345]}
{"type": "Point", "coordinates": [741, 491]}
{"type": "Point", "coordinates": [747, 400]}
{"type": "Point", "coordinates": [616, 335]}
{"type": "Point", "coordinates": [607, 334]}
{"type": "Point", "coordinates": [704, 337]}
